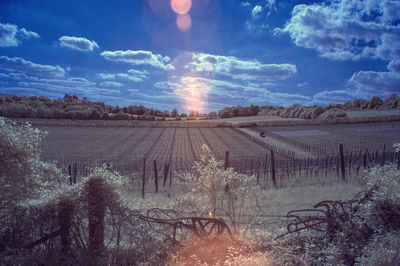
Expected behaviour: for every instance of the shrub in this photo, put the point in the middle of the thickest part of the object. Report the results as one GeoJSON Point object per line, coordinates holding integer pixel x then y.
{"type": "Point", "coordinates": [217, 190]}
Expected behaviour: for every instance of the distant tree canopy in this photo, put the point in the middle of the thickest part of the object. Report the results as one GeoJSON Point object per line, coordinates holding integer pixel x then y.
{"type": "Point", "coordinates": [71, 107]}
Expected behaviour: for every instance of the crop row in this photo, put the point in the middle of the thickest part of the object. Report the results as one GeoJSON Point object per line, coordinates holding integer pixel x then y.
{"type": "Point", "coordinates": [324, 140]}
{"type": "Point", "coordinates": [125, 147]}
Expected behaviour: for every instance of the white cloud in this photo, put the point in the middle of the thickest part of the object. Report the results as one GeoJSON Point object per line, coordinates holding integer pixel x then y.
{"type": "Point", "coordinates": [111, 84]}
{"type": "Point", "coordinates": [139, 57]}
{"type": "Point", "coordinates": [333, 96]}
{"type": "Point", "coordinates": [347, 29]}
{"type": "Point", "coordinates": [78, 43]}
{"type": "Point", "coordinates": [106, 75]}
{"type": "Point", "coordinates": [379, 83]}
{"type": "Point", "coordinates": [16, 64]}
{"type": "Point", "coordinates": [246, 4]}
{"type": "Point", "coordinates": [241, 69]}
{"type": "Point", "coordinates": [28, 34]}
{"type": "Point", "coordinates": [132, 74]}
{"type": "Point", "coordinates": [10, 35]}
{"type": "Point", "coordinates": [256, 10]}
{"type": "Point", "coordinates": [394, 66]}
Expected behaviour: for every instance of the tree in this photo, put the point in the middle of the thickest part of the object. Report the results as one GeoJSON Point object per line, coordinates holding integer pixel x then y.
{"type": "Point", "coordinates": [94, 115]}
{"type": "Point", "coordinates": [23, 175]}
{"type": "Point", "coordinates": [174, 113]}
{"type": "Point", "coordinates": [212, 114]}
{"type": "Point", "coordinates": [211, 182]}
{"type": "Point", "coordinates": [226, 114]}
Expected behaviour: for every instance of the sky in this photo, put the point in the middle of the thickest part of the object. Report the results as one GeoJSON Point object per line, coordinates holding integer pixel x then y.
{"type": "Point", "coordinates": [201, 55]}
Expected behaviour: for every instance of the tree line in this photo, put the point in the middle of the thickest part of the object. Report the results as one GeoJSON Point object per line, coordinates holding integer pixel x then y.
{"type": "Point", "coordinates": [71, 107]}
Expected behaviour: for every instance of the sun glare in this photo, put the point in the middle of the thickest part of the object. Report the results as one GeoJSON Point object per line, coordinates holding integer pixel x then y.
{"type": "Point", "coordinates": [190, 85]}
{"type": "Point", "coordinates": [183, 22]}
{"type": "Point", "coordinates": [181, 6]}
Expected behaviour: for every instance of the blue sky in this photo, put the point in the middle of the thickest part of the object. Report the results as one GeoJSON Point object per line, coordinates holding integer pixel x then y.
{"type": "Point", "coordinates": [201, 54]}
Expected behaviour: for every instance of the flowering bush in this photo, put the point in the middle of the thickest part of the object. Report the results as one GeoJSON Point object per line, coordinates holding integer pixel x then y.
{"type": "Point", "coordinates": [216, 190]}
{"type": "Point", "coordinates": [23, 175]}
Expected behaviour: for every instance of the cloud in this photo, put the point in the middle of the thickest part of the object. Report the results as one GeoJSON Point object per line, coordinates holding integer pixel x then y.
{"type": "Point", "coordinates": [380, 83]}
{"type": "Point", "coordinates": [132, 74]}
{"type": "Point", "coordinates": [17, 64]}
{"type": "Point", "coordinates": [394, 66]}
{"type": "Point", "coordinates": [347, 29]}
{"type": "Point", "coordinates": [78, 43]}
{"type": "Point", "coordinates": [139, 57]}
{"type": "Point", "coordinates": [10, 35]}
{"type": "Point", "coordinates": [246, 4]}
{"type": "Point", "coordinates": [111, 84]}
{"type": "Point", "coordinates": [241, 69]}
{"type": "Point", "coordinates": [106, 75]}
{"type": "Point", "coordinates": [334, 96]}
{"type": "Point", "coordinates": [256, 10]}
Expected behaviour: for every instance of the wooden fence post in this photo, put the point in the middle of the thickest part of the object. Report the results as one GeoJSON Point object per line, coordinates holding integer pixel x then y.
{"type": "Point", "coordinates": [384, 155]}
{"type": "Point", "coordinates": [144, 177]}
{"type": "Point", "coordinates": [226, 165]}
{"type": "Point", "coordinates": [65, 208]}
{"type": "Point", "coordinates": [341, 157]}
{"type": "Point", "coordinates": [155, 175]}
{"type": "Point", "coordinates": [75, 173]}
{"type": "Point", "coordinates": [97, 209]}
{"type": "Point", "coordinates": [365, 157]}
{"type": "Point", "coordinates": [166, 170]}
{"type": "Point", "coordinates": [273, 170]}
{"type": "Point", "coordinates": [398, 160]}
{"type": "Point", "coordinates": [70, 173]}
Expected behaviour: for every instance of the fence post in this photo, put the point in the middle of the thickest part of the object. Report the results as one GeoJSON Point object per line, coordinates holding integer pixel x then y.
{"type": "Point", "coordinates": [155, 175]}
{"type": "Point", "coordinates": [166, 170]}
{"type": "Point", "coordinates": [75, 173]}
{"type": "Point", "coordinates": [398, 160]}
{"type": "Point", "coordinates": [273, 172]}
{"type": "Point", "coordinates": [70, 173]}
{"type": "Point", "coordinates": [365, 159]}
{"type": "Point", "coordinates": [341, 162]}
{"type": "Point", "coordinates": [384, 155]}
{"type": "Point", "coordinates": [65, 208]}
{"type": "Point", "coordinates": [226, 165]}
{"type": "Point", "coordinates": [144, 177]}
{"type": "Point", "coordinates": [97, 209]}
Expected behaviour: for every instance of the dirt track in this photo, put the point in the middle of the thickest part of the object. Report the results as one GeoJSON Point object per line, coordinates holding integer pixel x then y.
{"type": "Point", "coordinates": [278, 144]}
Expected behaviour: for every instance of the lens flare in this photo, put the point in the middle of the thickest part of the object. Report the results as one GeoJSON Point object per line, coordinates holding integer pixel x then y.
{"type": "Point", "coordinates": [191, 84]}
{"type": "Point", "coordinates": [183, 22]}
{"type": "Point", "coordinates": [195, 90]}
{"type": "Point", "coordinates": [181, 6]}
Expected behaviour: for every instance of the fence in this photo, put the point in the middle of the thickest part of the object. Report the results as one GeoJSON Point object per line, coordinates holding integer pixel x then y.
{"type": "Point", "coordinates": [271, 169]}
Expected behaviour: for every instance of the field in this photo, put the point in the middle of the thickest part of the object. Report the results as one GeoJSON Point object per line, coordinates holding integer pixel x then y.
{"type": "Point", "coordinates": [300, 151]}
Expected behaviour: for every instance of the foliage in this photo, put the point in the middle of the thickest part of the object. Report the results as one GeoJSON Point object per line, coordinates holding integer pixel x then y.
{"type": "Point", "coordinates": [223, 192]}
{"type": "Point", "coordinates": [23, 175]}
{"type": "Point", "coordinates": [369, 237]}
